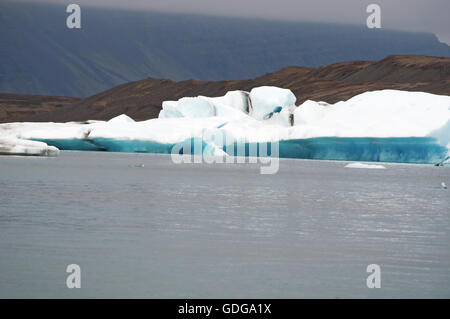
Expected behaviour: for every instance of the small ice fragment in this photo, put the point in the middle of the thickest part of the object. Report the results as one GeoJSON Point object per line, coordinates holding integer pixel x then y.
{"type": "Point", "coordinates": [443, 185]}
{"type": "Point", "coordinates": [361, 165]}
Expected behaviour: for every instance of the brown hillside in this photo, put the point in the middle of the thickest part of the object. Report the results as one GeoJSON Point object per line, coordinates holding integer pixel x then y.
{"type": "Point", "coordinates": [331, 83]}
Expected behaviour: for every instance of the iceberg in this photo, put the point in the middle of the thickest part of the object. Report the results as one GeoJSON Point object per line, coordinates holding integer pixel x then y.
{"type": "Point", "coordinates": [376, 126]}
{"type": "Point", "coordinates": [64, 136]}
{"type": "Point", "coordinates": [15, 146]}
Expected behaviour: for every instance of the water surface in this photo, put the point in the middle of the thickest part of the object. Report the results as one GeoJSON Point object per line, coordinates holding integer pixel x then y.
{"type": "Point", "coordinates": [140, 226]}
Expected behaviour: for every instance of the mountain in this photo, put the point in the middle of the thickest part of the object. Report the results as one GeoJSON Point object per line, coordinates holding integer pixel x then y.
{"type": "Point", "coordinates": [40, 55]}
{"type": "Point", "coordinates": [331, 83]}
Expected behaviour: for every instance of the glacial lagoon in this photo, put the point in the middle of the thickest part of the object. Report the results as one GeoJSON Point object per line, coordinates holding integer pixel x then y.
{"type": "Point", "coordinates": [139, 225]}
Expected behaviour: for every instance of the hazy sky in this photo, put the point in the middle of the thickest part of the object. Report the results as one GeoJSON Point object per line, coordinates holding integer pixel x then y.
{"type": "Point", "coordinates": [414, 15]}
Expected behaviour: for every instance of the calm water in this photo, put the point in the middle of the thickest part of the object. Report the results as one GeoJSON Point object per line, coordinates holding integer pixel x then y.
{"type": "Point", "coordinates": [166, 230]}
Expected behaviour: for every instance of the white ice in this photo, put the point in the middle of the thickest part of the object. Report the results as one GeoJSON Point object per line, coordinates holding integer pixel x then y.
{"type": "Point", "coordinates": [362, 165]}
{"type": "Point", "coordinates": [385, 113]}
{"type": "Point", "coordinates": [15, 146]}
{"type": "Point", "coordinates": [265, 114]}
{"type": "Point", "coordinates": [265, 99]}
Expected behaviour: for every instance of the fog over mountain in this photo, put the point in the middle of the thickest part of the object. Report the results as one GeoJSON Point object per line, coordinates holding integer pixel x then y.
{"type": "Point", "coordinates": [40, 55]}
{"type": "Point", "coordinates": [409, 15]}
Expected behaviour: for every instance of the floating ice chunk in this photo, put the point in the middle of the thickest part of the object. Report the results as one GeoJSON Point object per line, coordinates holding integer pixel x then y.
{"type": "Point", "coordinates": [362, 165]}
{"type": "Point", "coordinates": [15, 146]}
{"type": "Point", "coordinates": [266, 99]}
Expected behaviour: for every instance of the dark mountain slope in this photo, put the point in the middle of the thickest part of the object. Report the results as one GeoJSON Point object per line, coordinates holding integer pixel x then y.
{"type": "Point", "coordinates": [40, 55]}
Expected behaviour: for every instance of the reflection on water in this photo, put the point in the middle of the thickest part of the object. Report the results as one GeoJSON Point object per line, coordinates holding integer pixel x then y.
{"type": "Point", "coordinates": [197, 230]}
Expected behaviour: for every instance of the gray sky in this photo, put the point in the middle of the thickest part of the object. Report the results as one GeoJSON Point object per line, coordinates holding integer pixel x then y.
{"type": "Point", "coordinates": [413, 15]}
